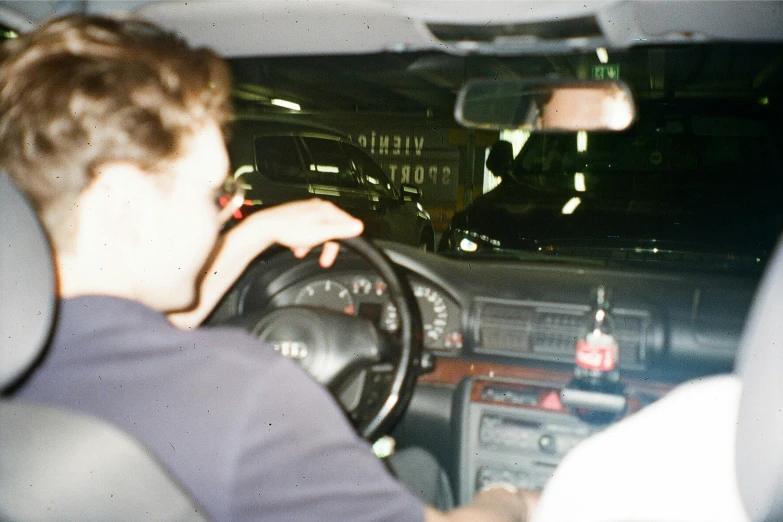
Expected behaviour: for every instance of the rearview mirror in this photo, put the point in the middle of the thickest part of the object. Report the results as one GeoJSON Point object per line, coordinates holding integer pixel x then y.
{"type": "Point", "coordinates": [544, 105]}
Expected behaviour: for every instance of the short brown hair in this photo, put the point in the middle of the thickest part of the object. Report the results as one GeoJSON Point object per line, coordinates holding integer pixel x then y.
{"type": "Point", "coordinates": [82, 91]}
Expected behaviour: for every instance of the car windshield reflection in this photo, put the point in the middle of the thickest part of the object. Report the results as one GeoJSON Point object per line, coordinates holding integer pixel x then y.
{"type": "Point", "coordinates": [693, 183]}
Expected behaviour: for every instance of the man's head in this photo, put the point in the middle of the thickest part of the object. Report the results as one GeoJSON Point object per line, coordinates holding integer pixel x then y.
{"type": "Point", "coordinates": [112, 128]}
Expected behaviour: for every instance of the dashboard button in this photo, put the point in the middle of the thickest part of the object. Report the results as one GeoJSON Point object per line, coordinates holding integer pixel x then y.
{"type": "Point", "coordinates": [548, 444]}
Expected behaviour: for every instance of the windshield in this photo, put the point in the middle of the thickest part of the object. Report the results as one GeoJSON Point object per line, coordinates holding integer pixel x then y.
{"type": "Point", "coordinates": [694, 182]}
{"type": "Point", "coordinates": [689, 181]}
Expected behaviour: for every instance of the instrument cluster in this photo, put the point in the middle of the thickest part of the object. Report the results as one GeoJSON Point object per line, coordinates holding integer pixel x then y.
{"type": "Point", "coordinates": [367, 296]}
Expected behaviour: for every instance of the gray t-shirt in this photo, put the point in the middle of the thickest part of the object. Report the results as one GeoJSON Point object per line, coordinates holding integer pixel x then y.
{"type": "Point", "coordinates": [246, 431]}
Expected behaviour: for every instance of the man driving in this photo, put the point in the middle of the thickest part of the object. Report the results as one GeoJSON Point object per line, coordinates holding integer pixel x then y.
{"type": "Point", "coordinates": [113, 129]}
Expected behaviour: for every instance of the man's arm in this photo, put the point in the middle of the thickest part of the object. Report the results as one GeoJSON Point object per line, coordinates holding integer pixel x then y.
{"type": "Point", "coordinates": [496, 504]}
{"type": "Point", "coordinates": [299, 225]}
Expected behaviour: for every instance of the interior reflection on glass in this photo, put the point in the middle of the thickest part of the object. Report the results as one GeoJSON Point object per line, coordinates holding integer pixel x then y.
{"type": "Point", "coordinates": [325, 168]}
{"type": "Point", "coordinates": [545, 104]}
{"type": "Point", "coordinates": [571, 205]}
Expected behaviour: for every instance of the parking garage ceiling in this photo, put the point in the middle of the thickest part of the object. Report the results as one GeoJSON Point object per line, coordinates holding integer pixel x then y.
{"type": "Point", "coordinates": [426, 83]}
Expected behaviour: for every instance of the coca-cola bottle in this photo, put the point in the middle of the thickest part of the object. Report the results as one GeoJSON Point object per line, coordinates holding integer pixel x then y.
{"type": "Point", "coordinates": [596, 387]}
{"type": "Point", "coordinates": [598, 352]}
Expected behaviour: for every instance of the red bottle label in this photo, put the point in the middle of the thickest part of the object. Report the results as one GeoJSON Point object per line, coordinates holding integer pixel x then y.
{"type": "Point", "coordinates": [598, 351]}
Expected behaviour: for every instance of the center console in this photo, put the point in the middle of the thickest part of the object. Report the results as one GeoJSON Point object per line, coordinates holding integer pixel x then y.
{"type": "Point", "coordinates": [513, 431]}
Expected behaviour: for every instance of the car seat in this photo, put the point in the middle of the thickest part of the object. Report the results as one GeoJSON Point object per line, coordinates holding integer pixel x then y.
{"type": "Point", "coordinates": [759, 456]}
{"type": "Point", "coordinates": [57, 464]}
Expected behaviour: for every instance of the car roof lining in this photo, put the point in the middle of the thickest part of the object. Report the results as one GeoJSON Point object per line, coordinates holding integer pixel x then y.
{"type": "Point", "coordinates": [245, 28]}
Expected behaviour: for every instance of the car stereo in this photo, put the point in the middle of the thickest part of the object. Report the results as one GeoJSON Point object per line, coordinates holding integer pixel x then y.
{"type": "Point", "coordinates": [513, 431]}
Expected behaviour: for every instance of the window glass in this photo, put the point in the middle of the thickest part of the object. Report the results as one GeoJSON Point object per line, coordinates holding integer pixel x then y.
{"type": "Point", "coordinates": [653, 163]}
{"type": "Point", "coordinates": [329, 165]}
{"type": "Point", "coordinates": [374, 177]}
{"type": "Point", "coordinates": [277, 158]}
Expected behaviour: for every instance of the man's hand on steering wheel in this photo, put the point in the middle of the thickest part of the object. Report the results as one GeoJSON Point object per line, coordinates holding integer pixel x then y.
{"type": "Point", "coordinates": [302, 225]}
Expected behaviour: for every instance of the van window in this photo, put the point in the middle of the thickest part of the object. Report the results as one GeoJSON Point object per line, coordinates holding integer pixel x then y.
{"type": "Point", "coordinates": [329, 165]}
{"type": "Point", "coordinates": [278, 158]}
{"type": "Point", "coordinates": [373, 176]}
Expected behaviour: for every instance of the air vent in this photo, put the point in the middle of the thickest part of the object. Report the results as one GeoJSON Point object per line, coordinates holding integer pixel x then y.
{"type": "Point", "coordinates": [549, 331]}
{"type": "Point", "coordinates": [580, 27]}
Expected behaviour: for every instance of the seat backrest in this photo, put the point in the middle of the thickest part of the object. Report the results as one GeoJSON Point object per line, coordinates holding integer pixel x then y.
{"type": "Point", "coordinates": [56, 464]}
{"type": "Point", "coordinates": [27, 299]}
{"type": "Point", "coordinates": [759, 453]}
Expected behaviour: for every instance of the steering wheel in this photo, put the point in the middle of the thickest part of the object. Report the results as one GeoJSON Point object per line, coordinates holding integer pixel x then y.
{"type": "Point", "coordinates": [370, 372]}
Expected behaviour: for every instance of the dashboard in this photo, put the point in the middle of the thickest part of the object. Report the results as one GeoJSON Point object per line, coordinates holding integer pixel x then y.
{"type": "Point", "coordinates": [363, 294]}
{"type": "Point", "coordinates": [502, 334]}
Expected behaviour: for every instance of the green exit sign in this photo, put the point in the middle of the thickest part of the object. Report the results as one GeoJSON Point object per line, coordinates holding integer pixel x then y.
{"type": "Point", "coordinates": [606, 71]}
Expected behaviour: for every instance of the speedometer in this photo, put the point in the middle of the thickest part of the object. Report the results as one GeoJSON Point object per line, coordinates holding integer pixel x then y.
{"type": "Point", "coordinates": [327, 294]}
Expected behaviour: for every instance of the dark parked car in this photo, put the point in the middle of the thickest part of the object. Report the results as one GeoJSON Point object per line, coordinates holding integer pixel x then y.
{"type": "Point", "coordinates": [281, 160]}
{"type": "Point", "coordinates": [693, 182]}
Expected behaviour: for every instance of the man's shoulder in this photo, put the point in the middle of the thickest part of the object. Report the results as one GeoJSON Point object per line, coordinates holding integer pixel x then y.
{"type": "Point", "coordinates": [103, 332]}
{"type": "Point", "coordinates": [231, 345]}
{"type": "Point", "coordinates": [115, 323]}
{"type": "Point", "coordinates": [126, 363]}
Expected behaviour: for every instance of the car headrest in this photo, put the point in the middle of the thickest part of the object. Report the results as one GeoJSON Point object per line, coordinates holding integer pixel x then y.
{"type": "Point", "coordinates": [759, 454]}
{"type": "Point", "coordinates": [27, 284]}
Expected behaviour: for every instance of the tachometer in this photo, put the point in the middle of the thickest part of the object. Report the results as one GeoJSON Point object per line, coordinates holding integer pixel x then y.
{"type": "Point", "coordinates": [327, 294]}
{"type": "Point", "coordinates": [434, 317]}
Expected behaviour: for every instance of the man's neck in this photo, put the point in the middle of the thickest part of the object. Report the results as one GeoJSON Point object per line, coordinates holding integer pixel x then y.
{"type": "Point", "coordinates": [94, 275]}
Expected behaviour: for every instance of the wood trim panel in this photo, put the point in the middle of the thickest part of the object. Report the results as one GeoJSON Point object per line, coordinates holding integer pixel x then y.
{"type": "Point", "coordinates": [451, 371]}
